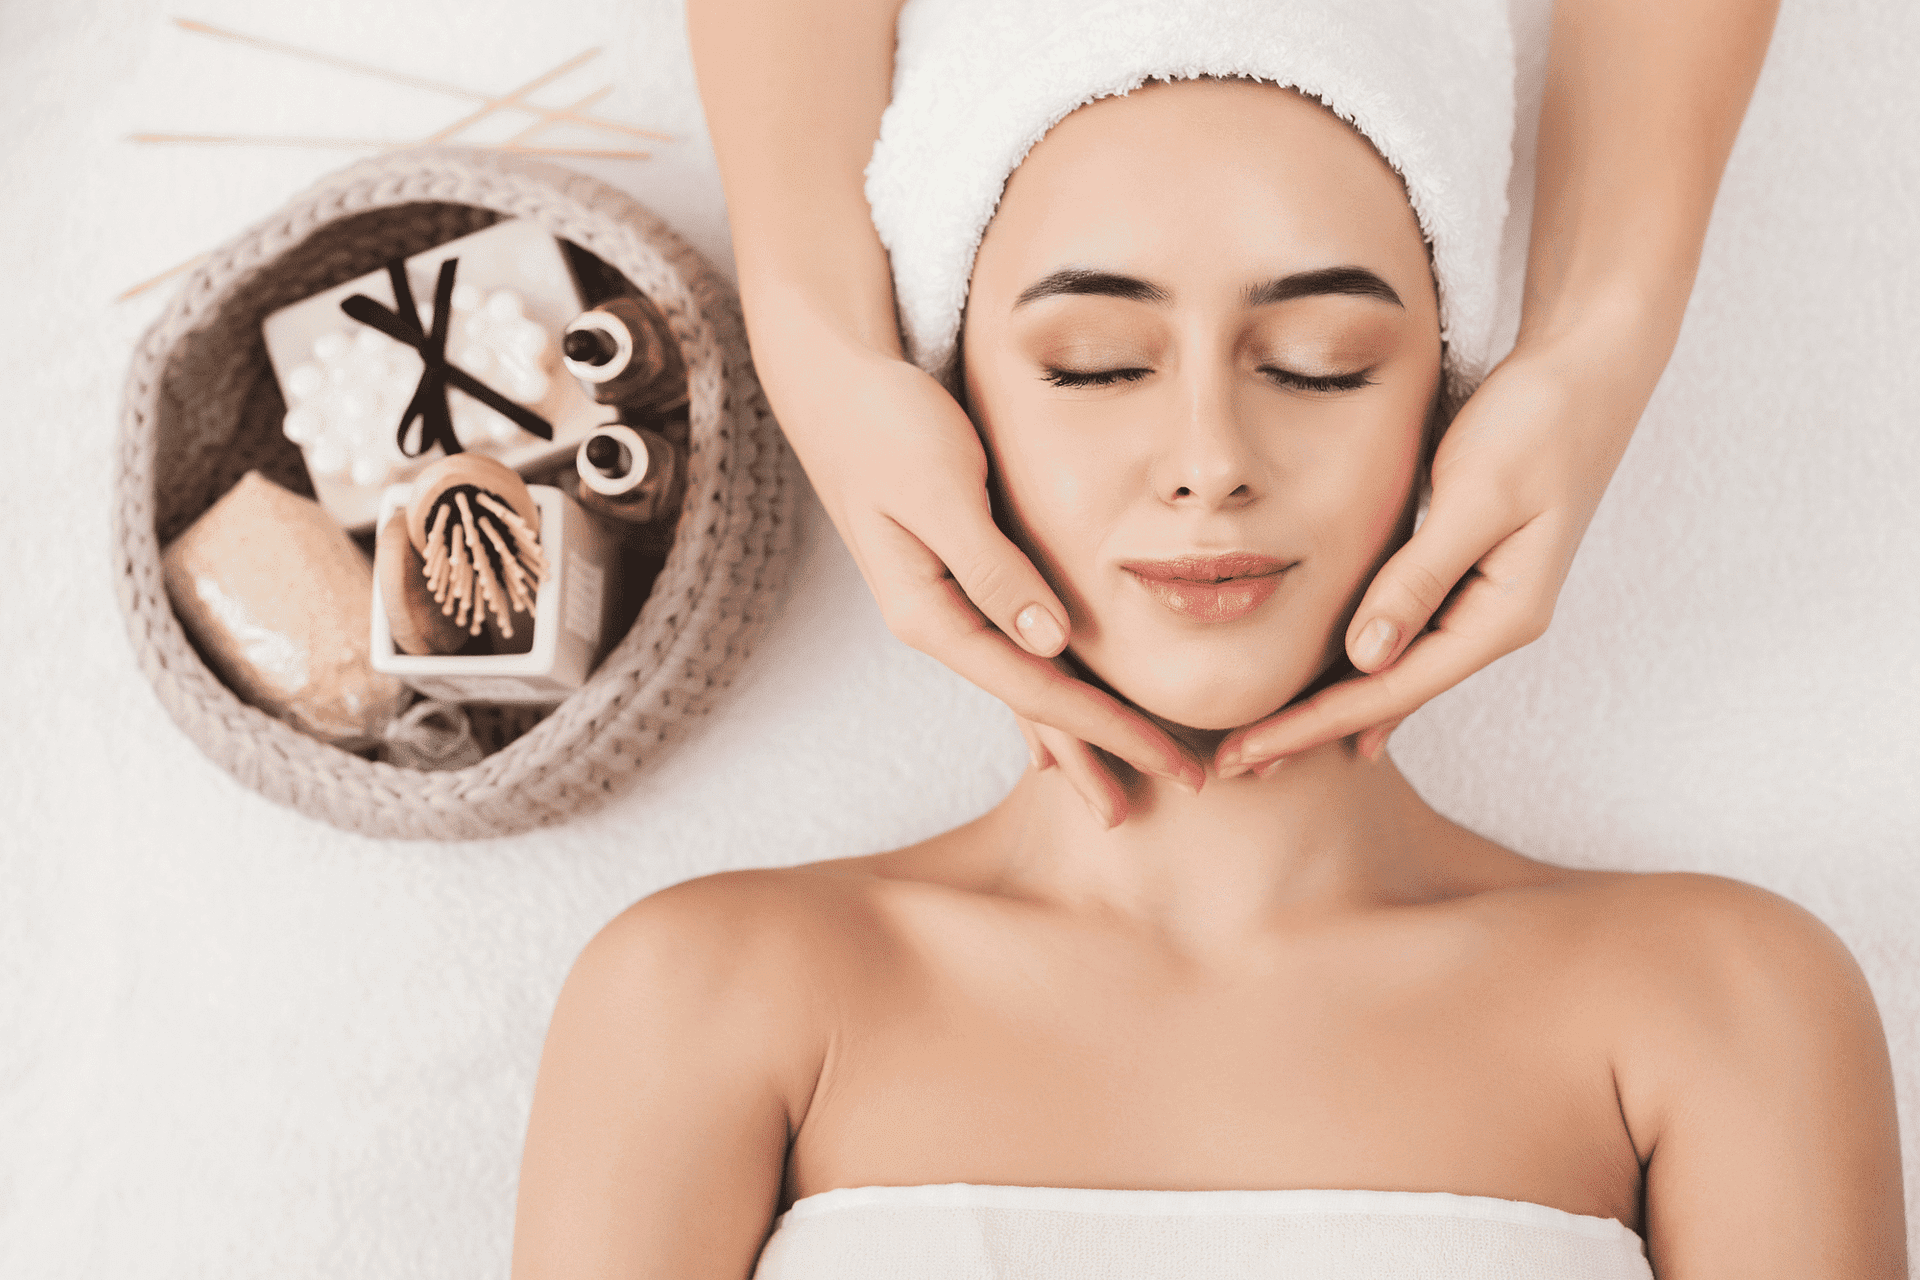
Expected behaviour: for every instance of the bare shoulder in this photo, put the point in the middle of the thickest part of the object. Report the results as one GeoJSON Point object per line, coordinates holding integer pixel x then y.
{"type": "Point", "coordinates": [1698, 961]}
{"type": "Point", "coordinates": [1753, 1077]}
{"type": "Point", "coordinates": [683, 1053]}
{"type": "Point", "coordinates": [1712, 939]}
{"type": "Point", "coordinates": [763, 932]}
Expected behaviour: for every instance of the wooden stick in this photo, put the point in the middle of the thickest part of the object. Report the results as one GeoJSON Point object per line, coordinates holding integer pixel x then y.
{"type": "Point", "coordinates": [514, 97]}
{"type": "Point", "coordinates": [436, 558]}
{"type": "Point", "coordinates": [263, 140]}
{"type": "Point", "coordinates": [583, 153]}
{"type": "Point", "coordinates": [164, 276]}
{"type": "Point", "coordinates": [361, 144]}
{"type": "Point", "coordinates": [417, 82]}
{"type": "Point", "coordinates": [523, 536]}
{"type": "Point", "coordinates": [539, 125]}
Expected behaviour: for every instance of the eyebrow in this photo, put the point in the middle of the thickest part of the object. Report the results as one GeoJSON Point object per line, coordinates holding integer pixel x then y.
{"type": "Point", "coordinates": [1353, 281]}
{"type": "Point", "coordinates": [1107, 284]}
{"type": "Point", "coordinates": [1356, 281]}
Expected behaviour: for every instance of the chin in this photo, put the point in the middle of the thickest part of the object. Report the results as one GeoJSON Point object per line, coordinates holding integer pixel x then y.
{"type": "Point", "coordinates": [1211, 715]}
{"type": "Point", "coordinates": [1213, 697]}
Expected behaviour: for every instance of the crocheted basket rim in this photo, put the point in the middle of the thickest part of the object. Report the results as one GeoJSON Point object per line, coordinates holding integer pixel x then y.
{"type": "Point", "coordinates": [722, 581]}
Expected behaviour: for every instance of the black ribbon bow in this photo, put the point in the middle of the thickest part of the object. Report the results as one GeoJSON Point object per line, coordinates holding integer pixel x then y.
{"type": "Point", "coordinates": [429, 402]}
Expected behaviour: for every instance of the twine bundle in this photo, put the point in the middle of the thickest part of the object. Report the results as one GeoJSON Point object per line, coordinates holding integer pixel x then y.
{"type": "Point", "coordinates": [202, 408]}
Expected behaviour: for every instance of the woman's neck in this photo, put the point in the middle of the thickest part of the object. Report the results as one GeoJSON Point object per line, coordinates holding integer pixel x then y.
{"type": "Point", "coordinates": [1327, 834]}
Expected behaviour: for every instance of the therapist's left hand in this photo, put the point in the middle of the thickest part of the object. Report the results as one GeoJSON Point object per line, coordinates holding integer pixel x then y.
{"type": "Point", "coordinates": [1516, 481]}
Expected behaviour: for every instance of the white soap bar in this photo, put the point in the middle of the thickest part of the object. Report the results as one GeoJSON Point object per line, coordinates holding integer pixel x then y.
{"type": "Point", "coordinates": [346, 383]}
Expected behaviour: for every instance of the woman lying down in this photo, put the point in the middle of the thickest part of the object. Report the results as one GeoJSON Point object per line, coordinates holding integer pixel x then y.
{"type": "Point", "coordinates": [1298, 1024]}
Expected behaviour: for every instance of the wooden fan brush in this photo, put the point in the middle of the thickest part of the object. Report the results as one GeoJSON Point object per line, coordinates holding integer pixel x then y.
{"type": "Point", "coordinates": [473, 533]}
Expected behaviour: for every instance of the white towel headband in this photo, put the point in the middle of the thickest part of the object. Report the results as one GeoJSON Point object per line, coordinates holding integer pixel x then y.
{"type": "Point", "coordinates": [977, 82]}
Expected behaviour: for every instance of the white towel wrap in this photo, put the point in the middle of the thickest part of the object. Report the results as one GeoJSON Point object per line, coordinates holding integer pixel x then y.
{"type": "Point", "coordinates": [978, 82]}
{"type": "Point", "coordinates": [964, 1232]}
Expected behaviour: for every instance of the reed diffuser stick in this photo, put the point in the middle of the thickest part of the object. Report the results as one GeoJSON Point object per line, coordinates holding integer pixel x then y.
{"type": "Point", "coordinates": [513, 97]}
{"type": "Point", "coordinates": [360, 144]}
{"type": "Point", "coordinates": [418, 82]}
{"type": "Point", "coordinates": [541, 125]}
{"type": "Point", "coordinates": [163, 277]}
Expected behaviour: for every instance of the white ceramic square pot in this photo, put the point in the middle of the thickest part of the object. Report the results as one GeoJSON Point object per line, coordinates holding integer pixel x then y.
{"type": "Point", "coordinates": [569, 616]}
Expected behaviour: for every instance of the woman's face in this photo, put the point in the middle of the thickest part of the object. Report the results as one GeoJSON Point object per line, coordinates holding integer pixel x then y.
{"type": "Point", "coordinates": [1202, 324]}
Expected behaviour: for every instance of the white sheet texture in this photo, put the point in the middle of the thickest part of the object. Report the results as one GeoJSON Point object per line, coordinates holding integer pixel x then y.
{"type": "Point", "coordinates": [238, 1043]}
{"type": "Point", "coordinates": [963, 1232]}
{"type": "Point", "coordinates": [977, 83]}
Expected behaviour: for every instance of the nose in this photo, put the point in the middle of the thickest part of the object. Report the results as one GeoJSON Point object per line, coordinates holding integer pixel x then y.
{"type": "Point", "coordinates": [1207, 457]}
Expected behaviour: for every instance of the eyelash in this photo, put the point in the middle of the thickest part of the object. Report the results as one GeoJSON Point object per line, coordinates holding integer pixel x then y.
{"type": "Point", "coordinates": [1095, 378]}
{"type": "Point", "coordinates": [1305, 382]}
{"type": "Point", "coordinates": [1285, 378]}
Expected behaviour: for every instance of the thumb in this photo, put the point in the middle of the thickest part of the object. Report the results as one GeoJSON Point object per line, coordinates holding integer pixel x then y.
{"type": "Point", "coordinates": [1413, 584]}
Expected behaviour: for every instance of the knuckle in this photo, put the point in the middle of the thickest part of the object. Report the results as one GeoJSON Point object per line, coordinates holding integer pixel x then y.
{"type": "Point", "coordinates": [912, 622]}
{"type": "Point", "coordinates": [1424, 588]}
{"type": "Point", "coordinates": [1041, 699]}
{"type": "Point", "coordinates": [987, 581]}
{"type": "Point", "coordinates": [1534, 623]}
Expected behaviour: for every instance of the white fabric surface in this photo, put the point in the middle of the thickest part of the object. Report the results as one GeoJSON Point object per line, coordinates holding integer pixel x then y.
{"type": "Point", "coordinates": [238, 1043]}
{"type": "Point", "coordinates": [963, 1232]}
{"type": "Point", "coordinates": [977, 83]}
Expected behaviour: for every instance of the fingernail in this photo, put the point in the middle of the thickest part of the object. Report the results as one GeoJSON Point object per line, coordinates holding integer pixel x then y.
{"type": "Point", "coordinates": [1272, 767]}
{"type": "Point", "coordinates": [1041, 631]}
{"type": "Point", "coordinates": [1034, 756]}
{"type": "Point", "coordinates": [1376, 642]}
{"type": "Point", "coordinates": [1187, 779]}
{"type": "Point", "coordinates": [1232, 768]}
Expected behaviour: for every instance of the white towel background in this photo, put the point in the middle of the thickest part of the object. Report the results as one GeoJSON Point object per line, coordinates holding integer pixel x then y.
{"type": "Point", "coordinates": [235, 1042]}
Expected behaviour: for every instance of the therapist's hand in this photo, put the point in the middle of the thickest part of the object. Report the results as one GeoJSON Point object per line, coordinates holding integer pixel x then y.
{"type": "Point", "coordinates": [903, 475]}
{"type": "Point", "coordinates": [1515, 482]}
{"type": "Point", "coordinates": [1640, 107]}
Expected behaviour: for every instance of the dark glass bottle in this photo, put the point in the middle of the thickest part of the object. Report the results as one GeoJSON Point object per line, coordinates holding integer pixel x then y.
{"type": "Point", "coordinates": [636, 476]}
{"type": "Point", "coordinates": [626, 354]}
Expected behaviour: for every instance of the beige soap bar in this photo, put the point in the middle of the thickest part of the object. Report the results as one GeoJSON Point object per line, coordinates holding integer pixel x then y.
{"type": "Point", "coordinates": [279, 600]}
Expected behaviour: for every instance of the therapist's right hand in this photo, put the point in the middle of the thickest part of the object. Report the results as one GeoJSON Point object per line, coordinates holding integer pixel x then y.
{"type": "Point", "coordinates": [903, 475]}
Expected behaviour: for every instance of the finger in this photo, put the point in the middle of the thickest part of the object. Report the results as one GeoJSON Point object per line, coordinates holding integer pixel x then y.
{"type": "Point", "coordinates": [1089, 776]}
{"type": "Point", "coordinates": [1481, 625]}
{"type": "Point", "coordinates": [1036, 749]}
{"type": "Point", "coordinates": [1373, 741]}
{"type": "Point", "coordinates": [940, 622]}
{"type": "Point", "coordinates": [1459, 530]}
{"type": "Point", "coordinates": [1434, 662]}
{"type": "Point", "coordinates": [995, 574]}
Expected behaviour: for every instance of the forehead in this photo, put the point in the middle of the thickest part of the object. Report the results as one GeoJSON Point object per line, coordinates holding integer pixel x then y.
{"type": "Point", "coordinates": [1206, 181]}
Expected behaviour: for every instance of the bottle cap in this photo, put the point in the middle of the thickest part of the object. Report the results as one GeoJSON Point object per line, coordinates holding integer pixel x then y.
{"type": "Point", "coordinates": [625, 442]}
{"type": "Point", "coordinates": [607, 334]}
{"type": "Point", "coordinates": [588, 346]}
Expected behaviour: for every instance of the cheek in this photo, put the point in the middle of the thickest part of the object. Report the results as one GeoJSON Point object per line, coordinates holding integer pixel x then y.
{"type": "Point", "coordinates": [1360, 502]}
{"type": "Point", "coordinates": [1057, 501]}
{"type": "Point", "coordinates": [1057, 496]}
{"type": "Point", "coordinates": [1392, 498]}
{"type": "Point", "coordinates": [1368, 485]}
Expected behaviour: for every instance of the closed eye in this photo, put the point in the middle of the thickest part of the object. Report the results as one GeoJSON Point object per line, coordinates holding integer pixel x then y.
{"type": "Point", "coordinates": [1093, 377]}
{"type": "Point", "coordinates": [1308, 382]}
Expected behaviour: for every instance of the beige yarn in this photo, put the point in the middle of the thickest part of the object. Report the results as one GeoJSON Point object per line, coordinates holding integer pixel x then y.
{"type": "Point", "coordinates": [202, 408]}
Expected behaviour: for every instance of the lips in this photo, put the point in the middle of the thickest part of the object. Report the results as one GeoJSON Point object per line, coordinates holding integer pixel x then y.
{"type": "Point", "coordinates": [1217, 588]}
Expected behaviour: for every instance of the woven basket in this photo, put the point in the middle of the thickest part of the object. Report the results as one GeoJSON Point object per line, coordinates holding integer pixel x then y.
{"type": "Point", "coordinates": [202, 408]}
